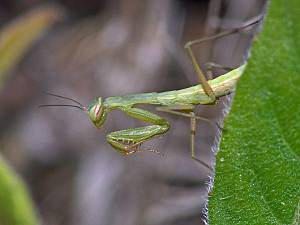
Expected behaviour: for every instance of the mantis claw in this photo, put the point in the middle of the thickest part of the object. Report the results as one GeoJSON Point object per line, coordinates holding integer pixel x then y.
{"type": "Point", "coordinates": [128, 141]}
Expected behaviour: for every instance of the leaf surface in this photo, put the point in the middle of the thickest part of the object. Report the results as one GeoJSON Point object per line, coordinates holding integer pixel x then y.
{"type": "Point", "coordinates": [257, 177]}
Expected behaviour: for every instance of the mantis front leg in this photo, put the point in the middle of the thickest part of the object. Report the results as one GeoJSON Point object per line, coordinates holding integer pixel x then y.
{"type": "Point", "coordinates": [128, 141]}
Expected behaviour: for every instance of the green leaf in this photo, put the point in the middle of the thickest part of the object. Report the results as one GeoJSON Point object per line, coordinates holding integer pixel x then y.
{"type": "Point", "coordinates": [15, 204]}
{"type": "Point", "coordinates": [257, 177]}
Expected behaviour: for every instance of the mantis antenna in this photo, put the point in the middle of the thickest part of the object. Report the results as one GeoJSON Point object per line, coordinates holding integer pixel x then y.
{"type": "Point", "coordinates": [79, 106]}
{"type": "Point", "coordinates": [65, 105]}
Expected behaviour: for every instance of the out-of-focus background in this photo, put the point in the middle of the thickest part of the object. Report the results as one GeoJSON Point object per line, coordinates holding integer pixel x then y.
{"type": "Point", "coordinates": [105, 48]}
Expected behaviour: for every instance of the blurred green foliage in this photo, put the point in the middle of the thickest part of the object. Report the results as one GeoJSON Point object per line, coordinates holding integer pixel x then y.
{"type": "Point", "coordinates": [257, 177]}
{"type": "Point", "coordinates": [16, 207]}
{"type": "Point", "coordinates": [17, 37]}
{"type": "Point", "coordinates": [15, 204]}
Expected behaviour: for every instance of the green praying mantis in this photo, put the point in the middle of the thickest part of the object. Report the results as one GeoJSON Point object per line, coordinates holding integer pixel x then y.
{"type": "Point", "coordinates": [179, 102]}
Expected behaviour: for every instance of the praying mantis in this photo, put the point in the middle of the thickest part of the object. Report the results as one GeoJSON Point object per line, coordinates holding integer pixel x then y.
{"type": "Point", "coordinates": [179, 102]}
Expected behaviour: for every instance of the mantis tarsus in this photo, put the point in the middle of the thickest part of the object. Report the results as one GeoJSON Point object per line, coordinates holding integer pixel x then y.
{"type": "Point", "coordinates": [179, 102]}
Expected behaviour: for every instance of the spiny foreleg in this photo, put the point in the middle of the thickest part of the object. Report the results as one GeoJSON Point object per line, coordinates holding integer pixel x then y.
{"type": "Point", "coordinates": [129, 141]}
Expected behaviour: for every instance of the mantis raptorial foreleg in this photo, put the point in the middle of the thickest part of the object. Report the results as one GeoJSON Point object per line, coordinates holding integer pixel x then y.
{"type": "Point", "coordinates": [128, 141]}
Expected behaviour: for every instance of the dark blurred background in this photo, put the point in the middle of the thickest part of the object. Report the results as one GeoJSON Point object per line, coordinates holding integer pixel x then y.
{"type": "Point", "coordinates": [105, 48]}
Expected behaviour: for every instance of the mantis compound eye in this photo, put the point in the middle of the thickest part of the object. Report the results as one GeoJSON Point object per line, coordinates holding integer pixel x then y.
{"type": "Point", "coordinates": [97, 112]}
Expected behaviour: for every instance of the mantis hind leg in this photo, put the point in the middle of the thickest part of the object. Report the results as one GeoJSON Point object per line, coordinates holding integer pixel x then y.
{"type": "Point", "coordinates": [188, 47]}
{"type": "Point", "coordinates": [129, 141]}
{"type": "Point", "coordinates": [202, 79]}
{"type": "Point", "coordinates": [209, 66]}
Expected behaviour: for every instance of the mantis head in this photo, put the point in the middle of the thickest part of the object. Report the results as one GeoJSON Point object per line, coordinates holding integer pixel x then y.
{"type": "Point", "coordinates": [97, 112]}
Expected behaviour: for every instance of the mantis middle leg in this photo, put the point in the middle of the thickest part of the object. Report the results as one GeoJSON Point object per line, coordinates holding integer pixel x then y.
{"type": "Point", "coordinates": [128, 141]}
{"type": "Point", "coordinates": [183, 110]}
{"type": "Point", "coordinates": [187, 111]}
{"type": "Point", "coordinates": [193, 134]}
